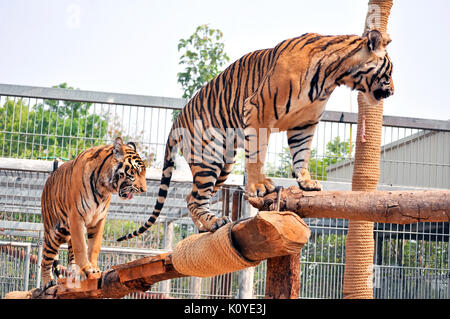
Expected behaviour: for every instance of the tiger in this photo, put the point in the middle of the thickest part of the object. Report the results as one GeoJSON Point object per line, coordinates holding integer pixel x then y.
{"type": "Point", "coordinates": [76, 198]}
{"type": "Point", "coordinates": [284, 88]}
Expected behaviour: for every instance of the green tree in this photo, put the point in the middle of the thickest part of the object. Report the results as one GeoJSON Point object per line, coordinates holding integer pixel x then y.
{"type": "Point", "coordinates": [284, 168]}
{"type": "Point", "coordinates": [203, 56]}
{"type": "Point", "coordinates": [336, 151]}
{"type": "Point", "coordinates": [50, 129]}
{"type": "Point", "coordinates": [14, 119]}
{"type": "Point", "coordinates": [116, 129]}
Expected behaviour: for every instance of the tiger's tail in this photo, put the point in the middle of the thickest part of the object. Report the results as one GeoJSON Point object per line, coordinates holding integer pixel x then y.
{"type": "Point", "coordinates": [163, 188]}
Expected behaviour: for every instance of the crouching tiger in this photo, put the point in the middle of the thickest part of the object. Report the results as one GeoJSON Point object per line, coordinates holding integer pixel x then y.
{"type": "Point", "coordinates": [76, 198]}
{"type": "Point", "coordinates": [286, 88]}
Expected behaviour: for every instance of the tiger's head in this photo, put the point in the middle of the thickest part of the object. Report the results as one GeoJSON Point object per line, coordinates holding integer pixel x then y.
{"type": "Point", "coordinates": [129, 170]}
{"type": "Point", "coordinates": [373, 74]}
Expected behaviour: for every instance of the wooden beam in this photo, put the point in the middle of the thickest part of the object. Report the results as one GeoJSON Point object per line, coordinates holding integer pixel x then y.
{"type": "Point", "coordinates": [268, 234]}
{"type": "Point", "coordinates": [138, 275]}
{"type": "Point", "coordinates": [400, 207]}
{"type": "Point", "coordinates": [283, 277]}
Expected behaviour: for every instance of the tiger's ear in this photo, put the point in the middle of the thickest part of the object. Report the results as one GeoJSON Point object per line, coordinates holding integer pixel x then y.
{"type": "Point", "coordinates": [117, 148]}
{"type": "Point", "coordinates": [132, 145]}
{"type": "Point", "coordinates": [375, 42]}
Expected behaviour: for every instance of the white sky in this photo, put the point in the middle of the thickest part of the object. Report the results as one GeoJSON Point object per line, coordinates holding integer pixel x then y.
{"type": "Point", "coordinates": [131, 46]}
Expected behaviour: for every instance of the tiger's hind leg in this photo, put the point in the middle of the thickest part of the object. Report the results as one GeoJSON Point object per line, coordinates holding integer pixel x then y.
{"type": "Point", "coordinates": [226, 170]}
{"type": "Point", "coordinates": [52, 241]}
{"type": "Point", "coordinates": [205, 178]}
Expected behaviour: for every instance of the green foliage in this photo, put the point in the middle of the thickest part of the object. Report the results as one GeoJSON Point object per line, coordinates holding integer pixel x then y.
{"type": "Point", "coordinates": [284, 169]}
{"type": "Point", "coordinates": [317, 166]}
{"type": "Point", "coordinates": [50, 129]}
{"type": "Point", "coordinates": [239, 166]}
{"type": "Point", "coordinates": [336, 151]}
{"type": "Point", "coordinates": [326, 248]}
{"type": "Point", "coordinates": [202, 55]}
{"type": "Point", "coordinates": [116, 129]}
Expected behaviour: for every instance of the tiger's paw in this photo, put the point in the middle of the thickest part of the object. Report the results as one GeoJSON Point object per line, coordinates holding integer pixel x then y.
{"type": "Point", "coordinates": [90, 269]}
{"type": "Point", "coordinates": [222, 221]}
{"type": "Point", "coordinates": [50, 283]}
{"type": "Point", "coordinates": [309, 185]}
{"type": "Point", "coordinates": [260, 189]}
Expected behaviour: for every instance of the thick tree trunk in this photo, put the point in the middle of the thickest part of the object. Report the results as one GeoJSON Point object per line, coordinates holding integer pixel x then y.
{"type": "Point", "coordinates": [283, 277]}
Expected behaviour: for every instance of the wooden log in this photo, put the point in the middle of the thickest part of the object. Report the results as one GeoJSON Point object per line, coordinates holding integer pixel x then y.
{"type": "Point", "coordinates": [120, 280]}
{"type": "Point", "coordinates": [268, 234]}
{"type": "Point", "coordinates": [283, 277]}
{"type": "Point", "coordinates": [400, 207]}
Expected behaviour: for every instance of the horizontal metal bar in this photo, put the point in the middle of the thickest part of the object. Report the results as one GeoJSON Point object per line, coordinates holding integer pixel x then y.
{"type": "Point", "coordinates": [21, 234]}
{"type": "Point", "coordinates": [15, 243]}
{"type": "Point", "coordinates": [21, 225]}
{"type": "Point", "coordinates": [340, 117]}
{"type": "Point", "coordinates": [26, 165]}
{"type": "Point", "coordinates": [124, 250]}
{"type": "Point", "coordinates": [416, 123]}
{"type": "Point", "coordinates": [178, 103]}
{"type": "Point", "coordinates": [119, 250]}
{"type": "Point", "coordinates": [390, 121]}
{"type": "Point", "coordinates": [91, 96]}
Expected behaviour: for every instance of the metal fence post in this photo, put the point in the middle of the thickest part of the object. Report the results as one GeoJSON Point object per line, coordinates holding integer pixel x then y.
{"type": "Point", "coordinates": [448, 270]}
{"type": "Point", "coordinates": [164, 286]}
{"type": "Point", "coordinates": [39, 259]}
{"type": "Point", "coordinates": [246, 276]}
{"type": "Point", "coordinates": [26, 273]}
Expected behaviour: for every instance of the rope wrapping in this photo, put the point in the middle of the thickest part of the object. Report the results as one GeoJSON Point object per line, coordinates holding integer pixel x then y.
{"type": "Point", "coordinates": [209, 254]}
{"type": "Point", "coordinates": [366, 172]}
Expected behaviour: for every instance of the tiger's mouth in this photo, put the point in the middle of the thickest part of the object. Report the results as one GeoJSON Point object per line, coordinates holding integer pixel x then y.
{"type": "Point", "coordinates": [126, 191]}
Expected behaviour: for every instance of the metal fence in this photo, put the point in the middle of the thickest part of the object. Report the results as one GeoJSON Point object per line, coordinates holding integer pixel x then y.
{"type": "Point", "coordinates": [38, 124]}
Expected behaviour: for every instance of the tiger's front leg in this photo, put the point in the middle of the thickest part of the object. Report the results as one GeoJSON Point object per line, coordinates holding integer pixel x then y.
{"type": "Point", "coordinates": [77, 233]}
{"type": "Point", "coordinates": [94, 243]}
{"type": "Point", "coordinates": [257, 141]}
{"type": "Point", "coordinates": [299, 140]}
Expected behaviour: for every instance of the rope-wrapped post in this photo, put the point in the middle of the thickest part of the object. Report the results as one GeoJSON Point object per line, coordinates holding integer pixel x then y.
{"type": "Point", "coordinates": [366, 171]}
{"type": "Point", "coordinates": [233, 247]}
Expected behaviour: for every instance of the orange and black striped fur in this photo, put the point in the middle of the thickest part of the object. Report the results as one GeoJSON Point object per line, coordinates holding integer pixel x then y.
{"type": "Point", "coordinates": [286, 88]}
{"type": "Point", "coordinates": [76, 199]}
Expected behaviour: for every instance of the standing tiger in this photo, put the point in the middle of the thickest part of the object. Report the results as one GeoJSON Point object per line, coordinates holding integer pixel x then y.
{"type": "Point", "coordinates": [76, 198]}
{"type": "Point", "coordinates": [284, 88]}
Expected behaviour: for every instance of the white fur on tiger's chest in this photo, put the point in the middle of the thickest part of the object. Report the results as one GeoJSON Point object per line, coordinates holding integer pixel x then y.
{"type": "Point", "coordinates": [96, 213]}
